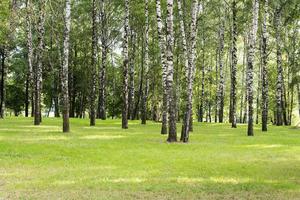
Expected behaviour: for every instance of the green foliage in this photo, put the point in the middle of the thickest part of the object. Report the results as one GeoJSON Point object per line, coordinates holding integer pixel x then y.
{"type": "Point", "coordinates": [4, 16]}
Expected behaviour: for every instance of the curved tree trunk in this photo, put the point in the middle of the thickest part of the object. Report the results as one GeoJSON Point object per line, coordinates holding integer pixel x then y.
{"type": "Point", "coordinates": [65, 69]}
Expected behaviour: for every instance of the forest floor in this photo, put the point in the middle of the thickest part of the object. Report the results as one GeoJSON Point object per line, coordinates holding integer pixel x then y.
{"type": "Point", "coordinates": [106, 162]}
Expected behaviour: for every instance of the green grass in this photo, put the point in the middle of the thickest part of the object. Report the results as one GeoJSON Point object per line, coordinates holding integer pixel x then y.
{"type": "Point", "coordinates": [106, 162]}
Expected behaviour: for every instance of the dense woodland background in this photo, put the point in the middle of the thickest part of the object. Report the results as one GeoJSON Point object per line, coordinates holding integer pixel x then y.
{"type": "Point", "coordinates": [183, 61]}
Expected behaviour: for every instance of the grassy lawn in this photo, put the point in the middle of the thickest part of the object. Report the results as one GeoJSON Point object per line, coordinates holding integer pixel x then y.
{"type": "Point", "coordinates": [106, 162]}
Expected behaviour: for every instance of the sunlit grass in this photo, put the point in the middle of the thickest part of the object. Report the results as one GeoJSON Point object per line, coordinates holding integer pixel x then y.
{"type": "Point", "coordinates": [106, 162]}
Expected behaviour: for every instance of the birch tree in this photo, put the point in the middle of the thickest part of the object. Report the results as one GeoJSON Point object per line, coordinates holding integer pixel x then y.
{"type": "Point", "coordinates": [29, 44]}
{"type": "Point", "coordinates": [221, 86]}
{"type": "Point", "coordinates": [190, 72]}
{"type": "Point", "coordinates": [265, 83]}
{"type": "Point", "coordinates": [172, 136]}
{"type": "Point", "coordinates": [234, 64]}
{"type": "Point", "coordinates": [93, 66]}
{"type": "Point", "coordinates": [65, 68]}
{"type": "Point", "coordinates": [125, 67]}
{"type": "Point", "coordinates": [146, 58]}
{"type": "Point", "coordinates": [280, 91]}
{"type": "Point", "coordinates": [102, 70]}
{"type": "Point", "coordinates": [131, 89]}
{"type": "Point", "coordinates": [250, 60]}
{"type": "Point", "coordinates": [162, 45]}
{"type": "Point", "coordinates": [39, 67]}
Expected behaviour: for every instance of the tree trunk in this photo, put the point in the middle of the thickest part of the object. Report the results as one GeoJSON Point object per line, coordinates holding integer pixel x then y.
{"type": "Point", "coordinates": [102, 70]}
{"type": "Point", "coordinates": [27, 97]}
{"type": "Point", "coordinates": [187, 124]}
{"type": "Point", "coordinates": [216, 84]}
{"type": "Point", "coordinates": [251, 57]}
{"type": "Point", "coordinates": [65, 69]}
{"type": "Point", "coordinates": [172, 136]}
{"type": "Point", "coordinates": [30, 79]}
{"type": "Point", "coordinates": [265, 82]}
{"type": "Point", "coordinates": [221, 72]}
{"type": "Point", "coordinates": [94, 67]}
{"type": "Point", "coordinates": [72, 90]}
{"type": "Point", "coordinates": [162, 45]}
{"type": "Point", "coordinates": [234, 64]}
{"type": "Point", "coordinates": [2, 84]}
{"type": "Point", "coordinates": [39, 67]}
{"type": "Point", "coordinates": [259, 75]}
{"type": "Point", "coordinates": [202, 100]}
{"type": "Point", "coordinates": [146, 89]}
{"type": "Point", "coordinates": [131, 77]}
{"type": "Point", "coordinates": [280, 96]}
{"type": "Point", "coordinates": [243, 81]}
{"type": "Point", "coordinates": [298, 91]}
{"type": "Point", "coordinates": [186, 63]}
{"type": "Point", "coordinates": [125, 67]}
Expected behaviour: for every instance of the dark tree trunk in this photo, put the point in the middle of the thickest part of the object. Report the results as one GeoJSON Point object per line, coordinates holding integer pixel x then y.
{"type": "Point", "coordinates": [140, 88]}
{"type": "Point", "coordinates": [216, 84]}
{"type": "Point", "coordinates": [2, 83]}
{"type": "Point", "coordinates": [280, 91]}
{"type": "Point", "coordinates": [93, 67]}
{"type": "Point", "coordinates": [131, 91]}
{"type": "Point", "coordinates": [298, 92]}
{"type": "Point", "coordinates": [234, 65]}
{"type": "Point", "coordinates": [202, 100]}
{"type": "Point", "coordinates": [27, 96]}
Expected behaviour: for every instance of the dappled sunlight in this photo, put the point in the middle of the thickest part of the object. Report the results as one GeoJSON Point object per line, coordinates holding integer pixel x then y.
{"type": "Point", "coordinates": [64, 182]}
{"type": "Point", "coordinates": [101, 180]}
{"type": "Point", "coordinates": [122, 180]}
{"type": "Point", "coordinates": [223, 180]}
{"type": "Point", "coordinates": [231, 180]}
{"type": "Point", "coordinates": [263, 146]}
